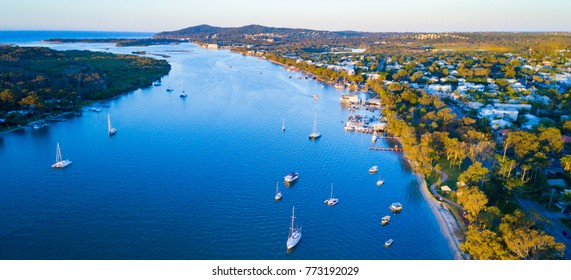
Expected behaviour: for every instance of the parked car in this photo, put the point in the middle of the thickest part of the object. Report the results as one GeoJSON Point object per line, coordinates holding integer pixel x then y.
{"type": "Point", "coordinates": [566, 234]}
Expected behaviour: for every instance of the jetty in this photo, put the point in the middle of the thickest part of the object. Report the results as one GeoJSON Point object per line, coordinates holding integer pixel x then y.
{"type": "Point", "coordinates": [388, 149]}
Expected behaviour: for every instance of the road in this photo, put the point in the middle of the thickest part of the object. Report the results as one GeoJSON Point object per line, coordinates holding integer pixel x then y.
{"type": "Point", "coordinates": [552, 225]}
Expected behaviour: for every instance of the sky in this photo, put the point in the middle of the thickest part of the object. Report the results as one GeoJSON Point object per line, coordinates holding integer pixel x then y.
{"type": "Point", "coordinates": [333, 15]}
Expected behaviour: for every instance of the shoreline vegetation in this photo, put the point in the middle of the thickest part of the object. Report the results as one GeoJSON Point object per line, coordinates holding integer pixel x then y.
{"type": "Point", "coordinates": [37, 82]}
{"type": "Point", "coordinates": [480, 241]}
{"type": "Point", "coordinates": [417, 77]}
{"type": "Point", "coordinates": [490, 171]}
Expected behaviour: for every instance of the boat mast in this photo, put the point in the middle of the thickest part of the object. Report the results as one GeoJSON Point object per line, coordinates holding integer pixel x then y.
{"type": "Point", "coordinates": [292, 219]}
{"type": "Point", "coordinates": [315, 123]}
{"type": "Point", "coordinates": [331, 196]}
{"type": "Point", "coordinates": [58, 153]}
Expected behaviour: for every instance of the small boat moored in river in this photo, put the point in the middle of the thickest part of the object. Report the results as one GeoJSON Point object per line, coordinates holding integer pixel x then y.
{"type": "Point", "coordinates": [292, 176]}
{"type": "Point", "coordinates": [388, 242]}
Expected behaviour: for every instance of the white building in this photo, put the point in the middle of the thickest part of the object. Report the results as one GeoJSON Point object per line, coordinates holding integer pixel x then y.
{"type": "Point", "coordinates": [497, 124]}
{"type": "Point", "coordinates": [493, 113]}
{"type": "Point", "coordinates": [532, 121]}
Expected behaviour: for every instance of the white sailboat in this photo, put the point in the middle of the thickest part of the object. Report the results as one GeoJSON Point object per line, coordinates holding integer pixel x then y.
{"type": "Point", "coordinates": [380, 182]}
{"type": "Point", "coordinates": [60, 162]}
{"type": "Point", "coordinates": [315, 134]}
{"type": "Point", "coordinates": [110, 130]}
{"type": "Point", "coordinates": [332, 200]}
{"type": "Point", "coordinates": [283, 124]}
{"type": "Point", "coordinates": [278, 193]}
{"type": "Point", "coordinates": [294, 235]}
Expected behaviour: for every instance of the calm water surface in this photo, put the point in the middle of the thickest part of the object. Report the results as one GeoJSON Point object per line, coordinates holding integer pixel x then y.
{"type": "Point", "coordinates": [195, 178]}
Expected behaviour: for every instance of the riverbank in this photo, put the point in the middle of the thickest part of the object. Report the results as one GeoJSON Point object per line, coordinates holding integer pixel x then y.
{"type": "Point", "coordinates": [446, 219]}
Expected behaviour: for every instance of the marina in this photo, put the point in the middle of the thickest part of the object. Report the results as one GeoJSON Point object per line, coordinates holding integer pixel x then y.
{"type": "Point", "coordinates": [179, 160]}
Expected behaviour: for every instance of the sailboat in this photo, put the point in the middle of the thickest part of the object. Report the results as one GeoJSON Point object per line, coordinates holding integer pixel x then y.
{"type": "Point", "coordinates": [60, 162]}
{"type": "Point", "coordinates": [294, 235]}
{"type": "Point", "coordinates": [380, 182]}
{"type": "Point", "coordinates": [283, 124]}
{"type": "Point", "coordinates": [183, 95]}
{"type": "Point", "coordinates": [110, 130]}
{"type": "Point", "coordinates": [331, 201]}
{"type": "Point", "coordinates": [278, 193]}
{"type": "Point", "coordinates": [314, 135]}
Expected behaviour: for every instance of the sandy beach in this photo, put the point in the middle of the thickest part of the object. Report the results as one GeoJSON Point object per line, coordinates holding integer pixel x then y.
{"type": "Point", "coordinates": [447, 222]}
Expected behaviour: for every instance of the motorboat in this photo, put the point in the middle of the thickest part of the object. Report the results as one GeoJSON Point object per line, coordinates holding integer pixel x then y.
{"type": "Point", "coordinates": [385, 220]}
{"type": "Point", "coordinates": [373, 169]}
{"type": "Point", "coordinates": [388, 242]}
{"type": "Point", "coordinates": [292, 176]}
{"type": "Point", "coordinates": [396, 207]}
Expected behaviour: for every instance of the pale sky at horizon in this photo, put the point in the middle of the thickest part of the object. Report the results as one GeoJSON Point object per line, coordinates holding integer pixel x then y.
{"type": "Point", "coordinates": [358, 15]}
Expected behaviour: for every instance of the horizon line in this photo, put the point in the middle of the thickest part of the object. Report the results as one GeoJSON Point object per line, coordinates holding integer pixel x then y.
{"type": "Point", "coordinates": [344, 30]}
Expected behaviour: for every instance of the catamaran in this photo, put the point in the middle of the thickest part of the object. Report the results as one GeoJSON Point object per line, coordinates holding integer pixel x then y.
{"type": "Point", "coordinates": [332, 200]}
{"type": "Point", "coordinates": [60, 162]}
{"type": "Point", "coordinates": [314, 135]}
{"type": "Point", "coordinates": [110, 130]}
{"type": "Point", "coordinates": [294, 233]}
{"type": "Point", "coordinates": [278, 193]}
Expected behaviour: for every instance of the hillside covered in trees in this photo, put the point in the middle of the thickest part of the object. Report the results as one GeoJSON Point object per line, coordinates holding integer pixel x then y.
{"type": "Point", "coordinates": [288, 40]}
{"type": "Point", "coordinates": [37, 81]}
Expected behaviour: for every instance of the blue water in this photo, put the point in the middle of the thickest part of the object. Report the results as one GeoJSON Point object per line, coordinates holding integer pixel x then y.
{"type": "Point", "coordinates": [195, 178]}
{"type": "Point", "coordinates": [18, 36]}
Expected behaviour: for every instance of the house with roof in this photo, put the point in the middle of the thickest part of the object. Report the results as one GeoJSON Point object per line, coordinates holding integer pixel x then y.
{"type": "Point", "coordinates": [531, 121]}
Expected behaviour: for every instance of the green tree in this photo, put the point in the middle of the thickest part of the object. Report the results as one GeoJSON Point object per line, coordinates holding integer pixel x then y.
{"type": "Point", "coordinates": [523, 143]}
{"type": "Point", "coordinates": [550, 139]}
{"type": "Point", "coordinates": [489, 218]}
{"type": "Point", "coordinates": [484, 245]}
{"type": "Point", "coordinates": [473, 200]}
{"type": "Point", "coordinates": [474, 174]}
{"type": "Point", "coordinates": [8, 96]}
{"type": "Point", "coordinates": [566, 162]}
{"type": "Point", "coordinates": [527, 243]}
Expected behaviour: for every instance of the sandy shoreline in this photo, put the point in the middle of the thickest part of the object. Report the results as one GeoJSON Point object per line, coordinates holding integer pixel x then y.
{"type": "Point", "coordinates": [446, 220]}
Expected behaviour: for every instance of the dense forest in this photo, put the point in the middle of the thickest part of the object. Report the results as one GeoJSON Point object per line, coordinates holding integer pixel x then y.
{"type": "Point", "coordinates": [36, 81]}
{"type": "Point", "coordinates": [284, 40]}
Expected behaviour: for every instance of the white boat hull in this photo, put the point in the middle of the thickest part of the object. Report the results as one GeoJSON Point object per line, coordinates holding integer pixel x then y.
{"type": "Point", "coordinates": [314, 136]}
{"type": "Point", "coordinates": [293, 240]}
{"type": "Point", "coordinates": [61, 163]}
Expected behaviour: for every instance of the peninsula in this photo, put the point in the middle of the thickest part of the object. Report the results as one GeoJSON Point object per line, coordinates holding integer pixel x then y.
{"type": "Point", "coordinates": [38, 82]}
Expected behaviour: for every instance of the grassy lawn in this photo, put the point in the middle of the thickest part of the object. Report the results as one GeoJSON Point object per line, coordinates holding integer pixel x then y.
{"type": "Point", "coordinates": [452, 174]}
